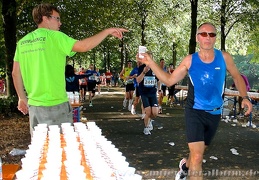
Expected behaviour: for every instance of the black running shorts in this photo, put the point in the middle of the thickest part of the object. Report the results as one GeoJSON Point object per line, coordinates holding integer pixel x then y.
{"type": "Point", "coordinates": [200, 125]}
{"type": "Point", "coordinates": [149, 100]}
{"type": "Point", "coordinates": [130, 87]}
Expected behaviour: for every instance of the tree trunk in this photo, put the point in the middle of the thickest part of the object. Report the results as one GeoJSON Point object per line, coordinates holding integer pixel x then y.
{"type": "Point", "coordinates": [174, 53]}
{"type": "Point", "coordinates": [143, 26]}
{"type": "Point", "coordinates": [192, 43]}
{"type": "Point", "coordinates": [94, 59]}
{"type": "Point", "coordinates": [108, 59]}
{"type": "Point", "coordinates": [9, 27]}
{"type": "Point", "coordinates": [223, 25]}
{"type": "Point", "coordinates": [122, 53]}
{"type": "Point", "coordinates": [144, 13]}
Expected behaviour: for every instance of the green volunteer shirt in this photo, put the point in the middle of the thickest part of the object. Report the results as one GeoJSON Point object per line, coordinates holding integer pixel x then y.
{"type": "Point", "coordinates": [42, 58]}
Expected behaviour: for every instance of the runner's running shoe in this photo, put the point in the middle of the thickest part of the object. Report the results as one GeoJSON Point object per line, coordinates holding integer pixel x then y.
{"type": "Point", "coordinates": [133, 110]}
{"type": "Point", "coordinates": [182, 174]}
{"type": "Point", "coordinates": [129, 107]}
{"type": "Point", "coordinates": [150, 125]}
{"type": "Point", "coordinates": [90, 104]}
{"type": "Point", "coordinates": [146, 131]}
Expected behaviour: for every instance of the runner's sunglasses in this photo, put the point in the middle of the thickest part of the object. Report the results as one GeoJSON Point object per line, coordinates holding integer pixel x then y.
{"type": "Point", "coordinates": [205, 34]}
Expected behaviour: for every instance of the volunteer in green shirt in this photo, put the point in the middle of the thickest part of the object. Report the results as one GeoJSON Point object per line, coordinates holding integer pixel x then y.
{"type": "Point", "coordinates": [39, 66]}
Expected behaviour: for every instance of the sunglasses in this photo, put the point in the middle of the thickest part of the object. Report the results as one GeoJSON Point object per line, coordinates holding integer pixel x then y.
{"type": "Point", "coordinates": [206, 34]}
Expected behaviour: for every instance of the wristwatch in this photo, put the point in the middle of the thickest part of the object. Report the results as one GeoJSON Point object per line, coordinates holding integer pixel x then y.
{"type": "Point", "coordinates": [246, 97]}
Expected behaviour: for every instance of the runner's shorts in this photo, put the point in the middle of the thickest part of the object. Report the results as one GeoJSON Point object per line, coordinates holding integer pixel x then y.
{"type": "Point", "coordinates": [149, 100]}
{"type": "Point", "coordinates": [130, 87]}
{"type": "Point", "coordinates": [137, 92]}
{"type": "Point", "coordinates": [171, 90]}
{"type": "Point", "coordinates": [91, 86]}
{"type": "Point", "coordinates": [83, 87]}
{"type": "Point", "coordinates": [163, 88]}
{"type": "Point", "coordinates": [200, 125]}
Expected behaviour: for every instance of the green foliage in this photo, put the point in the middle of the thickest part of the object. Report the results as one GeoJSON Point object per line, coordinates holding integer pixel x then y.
{"type": "Point", "coordinates": [167, 22]}
{"type": "Point", "coordinates": [253, 47]}
{"type": "Point", "coordinates": [90, 18]}
{"type": "Point", "coordinates": [247, 68]}
{"type": "Point", "coordinates": [8, 105]}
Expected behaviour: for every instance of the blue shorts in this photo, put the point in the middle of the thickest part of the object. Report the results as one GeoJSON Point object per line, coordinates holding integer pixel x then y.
{"type": "Point", "coordinates": [200, 125]}
{"type": "Point", "coordinates": [149, 100]}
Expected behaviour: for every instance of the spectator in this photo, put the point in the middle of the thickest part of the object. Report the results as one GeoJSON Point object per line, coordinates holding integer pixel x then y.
{"type": "Point", "coordinates": [240, 109]}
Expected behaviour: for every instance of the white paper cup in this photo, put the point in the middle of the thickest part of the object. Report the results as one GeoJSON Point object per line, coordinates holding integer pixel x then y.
{"type": "Point", "coordinates": [141, 49]}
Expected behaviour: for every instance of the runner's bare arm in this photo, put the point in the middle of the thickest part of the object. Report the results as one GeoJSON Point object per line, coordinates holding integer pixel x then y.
{"type": "Point", "coordinates": [238, 80]}
{"type": "Point", "coordinates": [169, 79]}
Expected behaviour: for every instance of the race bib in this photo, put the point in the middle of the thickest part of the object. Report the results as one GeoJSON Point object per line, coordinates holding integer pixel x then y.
{"type": "Point", "coordinates": [149, 81]}
{"type": "Point", "coordinates": [92, 78]}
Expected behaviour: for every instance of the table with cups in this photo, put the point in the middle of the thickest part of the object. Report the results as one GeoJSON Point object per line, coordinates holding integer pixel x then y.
{"type": "Point", "coordinates": [73, 151]}
{"type": "Point", "coordinates": [235, 94]}
{"type": "Point", "coordinates": [230, 95]}
{"type": "Point", "coordinates": [252, 95]}
{"type": "Point", "coordinates": [182, 94]}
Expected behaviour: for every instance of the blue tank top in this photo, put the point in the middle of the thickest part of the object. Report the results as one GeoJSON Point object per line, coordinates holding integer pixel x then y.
{"type": "Point", "coordinates": [133, 72]}
{"type": "Point", "coordinates": [206, 83]}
